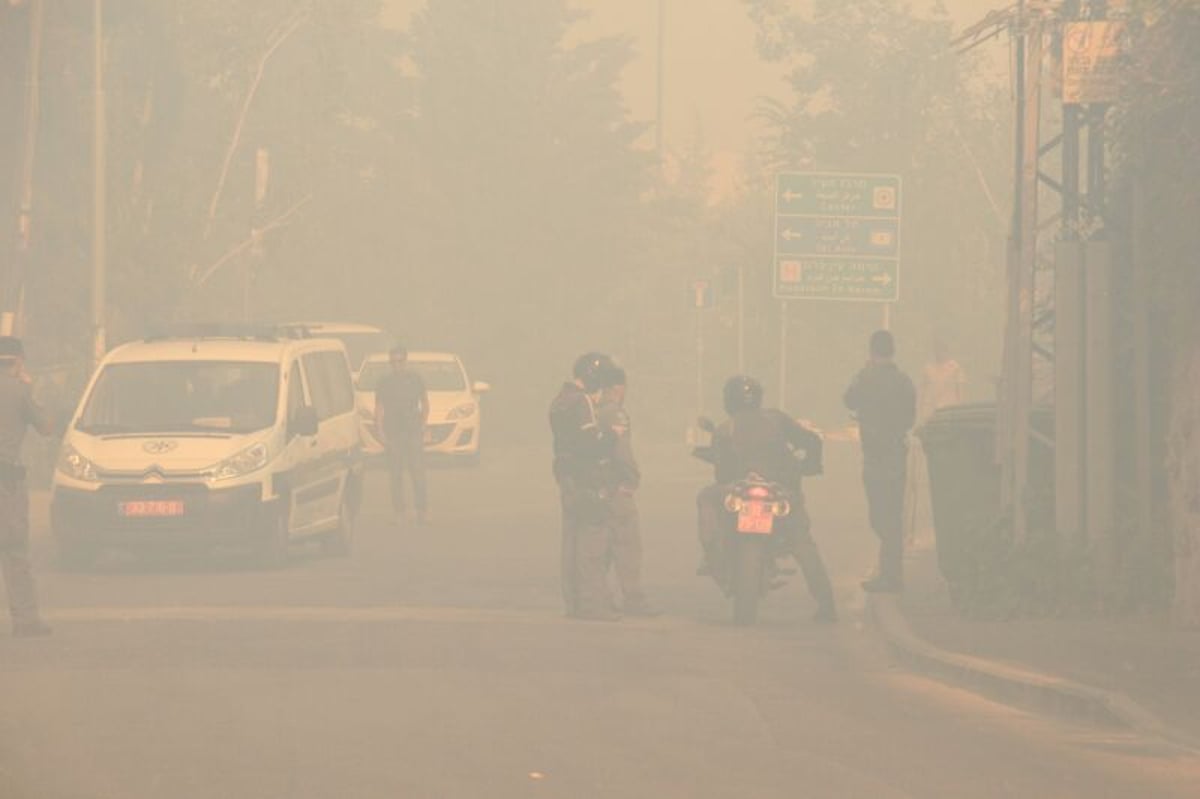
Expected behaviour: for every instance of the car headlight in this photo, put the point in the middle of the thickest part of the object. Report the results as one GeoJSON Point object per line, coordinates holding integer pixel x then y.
{"type": "Point", "coordinates": [461, 412]}
{"type": "Point", "coordinates": [246, 461]}
{"type": "Point", "coordinates": [74, 465]}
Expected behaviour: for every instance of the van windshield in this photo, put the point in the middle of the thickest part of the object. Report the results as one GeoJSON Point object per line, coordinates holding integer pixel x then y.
{"type": "Point", "coordinates": [182, 397]}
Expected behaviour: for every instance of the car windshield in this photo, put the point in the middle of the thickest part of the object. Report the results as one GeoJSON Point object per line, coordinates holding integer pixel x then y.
{"type": "Point", "coordinates": [182, 396]}
{"type": "Point", "coordinates": [438, 375]}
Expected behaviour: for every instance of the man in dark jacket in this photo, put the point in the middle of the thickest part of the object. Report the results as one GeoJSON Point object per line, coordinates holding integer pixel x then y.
{"type": "Point", "coordinates": [624, 479]}
{"type": "Point", "coordinates": [18, 411]}
{"type": "Point", "coordinates": [583, 452]}
{"type": "Point", "coordinates": [401, 413]}
{"type": "Point", "coordinates": [885, 402]}
{"type": "Point", "coordinates": [764, 441]}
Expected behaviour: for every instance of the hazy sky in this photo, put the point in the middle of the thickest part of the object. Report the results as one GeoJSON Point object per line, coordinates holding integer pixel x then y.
{"type": "Point", "coordinates": [713, 74]}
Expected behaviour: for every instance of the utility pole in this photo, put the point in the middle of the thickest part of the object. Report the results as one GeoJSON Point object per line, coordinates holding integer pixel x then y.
{"type": "Point", "coordinates": [660, 83]}
{"type": "Point", "coordinates": [783, 351]}
{"type": "Point", "coordinates": [741, 320]}
{"type": "Point", "coordinates": [99, 243]}
{"type": "Point", "coordinates": [13, 297]}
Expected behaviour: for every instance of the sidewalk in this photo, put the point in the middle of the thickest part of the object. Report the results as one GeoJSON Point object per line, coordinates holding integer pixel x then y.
{"type": "Point", "coordinates": [1142, 658]}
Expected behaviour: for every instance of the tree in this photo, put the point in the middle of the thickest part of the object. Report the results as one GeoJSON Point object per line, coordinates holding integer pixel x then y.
{"type": "Point", "coordinates": [876, 87]}
{"type": "Point", "coordinates": [193, 91]}
{"type": "Point", "coordinates": [524, 184]}
{"type": "Point", "coordinates": [1159, 156]}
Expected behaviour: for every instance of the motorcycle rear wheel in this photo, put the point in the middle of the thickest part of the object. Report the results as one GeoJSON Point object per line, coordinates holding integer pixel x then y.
{"type": "Point", "coordinates": [748, 568]}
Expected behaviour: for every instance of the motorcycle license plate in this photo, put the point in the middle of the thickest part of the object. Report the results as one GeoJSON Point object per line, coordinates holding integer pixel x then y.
{"type": "Point", "coordinates": [150, 509]}
{"type": "Point", "coordinates": [755, 518]}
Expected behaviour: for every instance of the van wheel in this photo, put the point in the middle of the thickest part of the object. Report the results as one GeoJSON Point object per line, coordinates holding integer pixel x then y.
{"type": "Point", "coordinates": [339, 542]}
{"type": "Point", "coordinates": [273, 550]}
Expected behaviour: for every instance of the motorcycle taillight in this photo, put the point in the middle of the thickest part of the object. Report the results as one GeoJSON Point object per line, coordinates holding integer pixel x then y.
{"type": "Point", "coordinates": [758, 492]}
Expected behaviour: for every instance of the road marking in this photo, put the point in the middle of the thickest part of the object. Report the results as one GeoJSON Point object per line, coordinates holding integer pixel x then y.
{"type": "Point", "coordinates": [328, 614]}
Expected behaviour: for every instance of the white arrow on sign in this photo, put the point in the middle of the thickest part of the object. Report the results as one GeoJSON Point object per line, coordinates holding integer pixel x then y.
{"type": "Point", "coordinates": [883, 279]}
{"type": "Point", "coordinates": [789, 195]}
{"type": "Point", "coordinates": [788, 234]}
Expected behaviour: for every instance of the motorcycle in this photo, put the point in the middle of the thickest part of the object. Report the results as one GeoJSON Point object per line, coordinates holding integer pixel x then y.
{"type": "Point", "coordinates": [752, 540]}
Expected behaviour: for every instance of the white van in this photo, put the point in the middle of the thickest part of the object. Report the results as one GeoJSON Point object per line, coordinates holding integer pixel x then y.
{"type": "Point", "coordinates": [211, 437]}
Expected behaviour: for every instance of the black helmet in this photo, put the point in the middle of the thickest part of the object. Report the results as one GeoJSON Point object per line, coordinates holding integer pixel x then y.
{"type": "Point", "coordinates": [742, 393]}
{"type": "Point", "coordinates": [595, 370]}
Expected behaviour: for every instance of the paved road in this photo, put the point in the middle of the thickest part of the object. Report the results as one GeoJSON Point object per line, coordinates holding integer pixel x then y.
{"type": "Point", "coordinates": [435, 663]}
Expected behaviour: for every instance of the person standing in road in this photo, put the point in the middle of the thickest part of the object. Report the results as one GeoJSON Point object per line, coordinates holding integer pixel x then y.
{"type": "Point", "coordinates": [18, 411]}
{"type": "Point", "coordinates": [401, 413]}
{"type": "Point", "coordinates": [624, 481]}
{"type": "Point", "coordinates": [884, 401]}
{"type": "Point", "coordinates": [583, 453]}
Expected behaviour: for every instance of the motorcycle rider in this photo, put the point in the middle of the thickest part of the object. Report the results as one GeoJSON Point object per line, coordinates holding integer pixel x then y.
{"type": "Point", "coordinates": [583, 451]}
{"type": "Point", "coordinates": [764, 440]}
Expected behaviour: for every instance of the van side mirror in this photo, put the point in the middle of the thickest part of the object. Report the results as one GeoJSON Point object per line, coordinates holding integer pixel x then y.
{"type": "Point", "coordinates": [304, 422]}
{"type": "Point", "coordinates": [480, 387]}
{"type": "Point", "coordinates": [706, 424]}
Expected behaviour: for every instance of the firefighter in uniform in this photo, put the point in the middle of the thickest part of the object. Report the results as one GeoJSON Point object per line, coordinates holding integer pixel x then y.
{"type": "Point", "coordinates": [885, 402]}
{"type": "Point", "coordinates": [18, 410]}
{"type": "Point", "coordinates": [583, 453]}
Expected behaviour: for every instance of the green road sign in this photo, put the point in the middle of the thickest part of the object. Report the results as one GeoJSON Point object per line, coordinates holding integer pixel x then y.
{"type": "Point", "coordinates": [822, 194]}
{"type": "Point", "coordinates": [837, 236]}
{"type": "Point", "coordinates": [865, 279]}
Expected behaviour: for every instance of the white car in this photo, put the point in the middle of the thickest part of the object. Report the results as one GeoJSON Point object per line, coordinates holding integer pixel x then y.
{"type": "Point", "coordinates": [209, 437]}
{"type": "Point", "coordinates": [359, 340]}
{"type": "Point", "coordinates": [454, 417]}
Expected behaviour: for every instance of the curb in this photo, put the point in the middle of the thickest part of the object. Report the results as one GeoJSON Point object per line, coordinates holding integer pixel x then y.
{"type": "Point", "coordinates": [1016, 686]}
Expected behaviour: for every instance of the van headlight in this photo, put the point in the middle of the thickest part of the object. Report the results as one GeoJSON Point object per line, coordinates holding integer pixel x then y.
{"type": "Point", "coordinates": [461, 411]}
{"type": "Point", "coordinates": [246, 461]}
{"type": "Point", "coordinates": [74, 465]}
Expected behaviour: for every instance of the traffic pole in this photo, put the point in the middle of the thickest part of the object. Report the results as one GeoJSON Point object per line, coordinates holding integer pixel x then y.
{"type": "Point", "coordinates": [700, 361]}
{"type": "Point", "coordinates": [741, 320]}
{"type": "Point", "coordinates": [99, 244]}
{"type": "Point", "coordinates": [783, 348]}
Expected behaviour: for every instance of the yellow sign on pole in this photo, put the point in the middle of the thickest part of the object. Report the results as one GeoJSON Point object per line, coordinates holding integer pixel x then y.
{"type": "Point", "coordinates": [1091, 61]}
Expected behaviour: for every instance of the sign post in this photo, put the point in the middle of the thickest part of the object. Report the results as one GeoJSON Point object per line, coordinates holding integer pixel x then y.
{"type": "Point", "coordinates": [702, 299]}
{"type": "Point", "coordinates": [783, 337]}
{"type": "Point", "coordinates": [837, 237]}
{"type": "Point", "coordinates": [741, 320]}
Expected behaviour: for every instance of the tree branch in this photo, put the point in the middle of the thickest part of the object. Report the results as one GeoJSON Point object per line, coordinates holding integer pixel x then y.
{"type": "Point", "coordinates": [280, 38]}
{"type": "Point", "coordinates": [248, 242]}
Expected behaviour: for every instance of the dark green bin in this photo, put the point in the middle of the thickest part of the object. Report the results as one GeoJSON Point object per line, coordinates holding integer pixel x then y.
{"type": "Point", "coordinates": [973, 531]}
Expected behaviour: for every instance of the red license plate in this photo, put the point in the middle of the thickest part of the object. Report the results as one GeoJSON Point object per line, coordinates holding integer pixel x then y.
{"type": "Point", "coordinates": [755, 518]}
{"type": "Point", "coordinates": [151, 508]}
